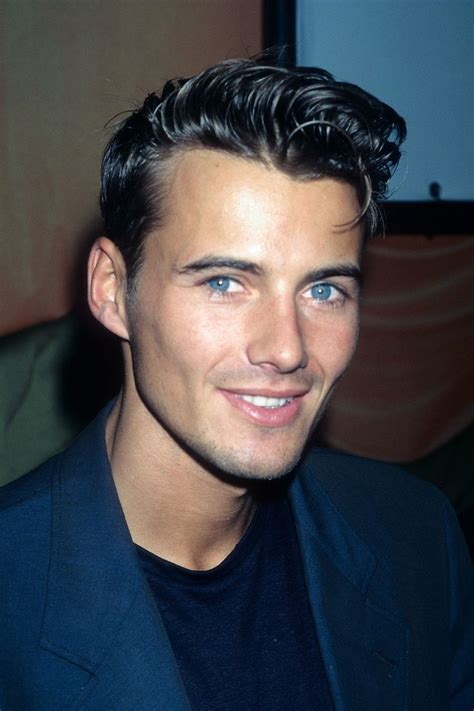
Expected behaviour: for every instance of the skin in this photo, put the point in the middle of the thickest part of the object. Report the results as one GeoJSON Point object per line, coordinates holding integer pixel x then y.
{"type": "Point", "coordinates": [248, 288]}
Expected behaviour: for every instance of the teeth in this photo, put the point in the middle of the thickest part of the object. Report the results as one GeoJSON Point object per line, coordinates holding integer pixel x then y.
{"type": "Point", "coordinates": [270, 402]}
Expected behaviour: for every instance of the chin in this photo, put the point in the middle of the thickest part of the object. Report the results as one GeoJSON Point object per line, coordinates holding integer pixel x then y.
{"type": "Point", "coordinates": [260, 462]}
{"type": "Point", "coordinates": [253, 468]}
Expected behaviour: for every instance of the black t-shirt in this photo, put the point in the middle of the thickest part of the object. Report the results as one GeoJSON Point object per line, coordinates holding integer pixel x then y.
{"type": "Point", "coordinates": [242, 633]}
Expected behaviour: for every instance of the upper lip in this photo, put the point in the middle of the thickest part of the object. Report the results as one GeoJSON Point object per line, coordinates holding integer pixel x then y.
{"type": "Point", "coordinates": [267, 392]}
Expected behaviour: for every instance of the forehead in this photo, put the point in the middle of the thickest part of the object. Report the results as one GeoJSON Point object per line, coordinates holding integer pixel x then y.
{"type": "Point", "coordinates": [218, 202]}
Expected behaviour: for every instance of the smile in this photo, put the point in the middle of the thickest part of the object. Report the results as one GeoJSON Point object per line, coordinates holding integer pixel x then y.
{"type": "Point", "coordinates": [268, 410]}
{"type": "Point", "coordinates": [269, 402]}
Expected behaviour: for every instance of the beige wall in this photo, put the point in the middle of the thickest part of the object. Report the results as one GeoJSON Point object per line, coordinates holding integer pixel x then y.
{"type": "Point", "coordinates": [68, 66]}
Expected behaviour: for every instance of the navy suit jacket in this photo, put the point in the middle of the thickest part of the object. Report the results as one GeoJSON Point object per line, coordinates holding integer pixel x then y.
{"type": "Point", "coordinates": [388, 575]}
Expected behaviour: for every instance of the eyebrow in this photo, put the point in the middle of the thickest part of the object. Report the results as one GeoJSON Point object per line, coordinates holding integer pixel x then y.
{"type": "Point", "coordinates": [215, 262]}
{"type": "Point", "coordinates": [337, 270]}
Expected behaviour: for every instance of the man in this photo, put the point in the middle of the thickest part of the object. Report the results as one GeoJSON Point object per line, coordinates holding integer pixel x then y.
{"type": "Point", "coordinates": [188, 551]}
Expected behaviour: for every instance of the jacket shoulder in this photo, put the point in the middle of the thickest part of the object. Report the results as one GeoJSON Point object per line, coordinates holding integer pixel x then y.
{"type": "Point", "coordinates": [350, 476]}
{"type": "Point", "coordinates": [389, 508]}
{"type": "Point", "coordinates": [25, 518]}
{"type": "Point", "coordinates": [29, 487]}
{"type": "Point", "coordinates": [88, 445]}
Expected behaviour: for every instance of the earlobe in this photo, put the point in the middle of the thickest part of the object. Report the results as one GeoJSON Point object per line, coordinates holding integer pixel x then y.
{"type": "Point", "coordinates": [106, 284]}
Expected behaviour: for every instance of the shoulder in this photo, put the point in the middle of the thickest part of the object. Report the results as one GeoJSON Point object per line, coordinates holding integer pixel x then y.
{"type": "Point", "coordinates": [29, 498]}
{"type": "Point", "coordinates": [351, 478]}
{"type": "Point", "coordinates": [65, 484]}
{"type": "Point", "coordinates": [25, 515]}
{"type": "Point", "coordinates": [407, 525]}
{"type": "Point", "coordinates": [28, 488]}
{"type": "Point", "coordinates": [25, 541]}
{"type": "Point", "coordinates": [389, 508]}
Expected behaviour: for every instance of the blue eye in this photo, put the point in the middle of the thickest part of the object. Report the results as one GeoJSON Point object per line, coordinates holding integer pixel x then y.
{"type": "Point", "coordinates": [322, 292]}
{"type": "Point", "coordinates": [221, 284]}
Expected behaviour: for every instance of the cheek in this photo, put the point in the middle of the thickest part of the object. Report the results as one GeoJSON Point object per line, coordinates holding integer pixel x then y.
{"type": "Point", "coordinates": [187, 342]}
{"type": "Point", "coordinates": [211, 340]}
{"type": "Point", "coordinates": [346, 342]}
{"type": "Point", "coordinates": [335, 343]}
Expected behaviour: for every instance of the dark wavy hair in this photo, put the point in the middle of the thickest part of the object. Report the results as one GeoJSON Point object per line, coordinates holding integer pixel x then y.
{"type": "Point", "coordinates": [300, 121]}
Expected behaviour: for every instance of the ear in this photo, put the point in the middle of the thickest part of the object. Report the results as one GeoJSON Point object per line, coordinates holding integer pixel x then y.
{"type": "Point", "coordinates": [106, 286]}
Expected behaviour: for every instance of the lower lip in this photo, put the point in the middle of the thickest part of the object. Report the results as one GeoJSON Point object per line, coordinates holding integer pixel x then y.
{"type": "Point", "coordinates": [265, 416]}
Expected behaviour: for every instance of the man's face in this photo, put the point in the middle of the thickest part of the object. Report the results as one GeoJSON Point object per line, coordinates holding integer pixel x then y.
{"type": "Point", "coordinates": [245, 313]}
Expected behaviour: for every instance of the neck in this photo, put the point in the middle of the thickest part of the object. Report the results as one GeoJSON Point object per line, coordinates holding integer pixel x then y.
{"type": "Point", "coordinates": [174, 507]}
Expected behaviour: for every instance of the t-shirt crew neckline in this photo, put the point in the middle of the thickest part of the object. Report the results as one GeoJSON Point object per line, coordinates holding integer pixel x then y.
{"type": "Point", "coordinates": [157, 566]}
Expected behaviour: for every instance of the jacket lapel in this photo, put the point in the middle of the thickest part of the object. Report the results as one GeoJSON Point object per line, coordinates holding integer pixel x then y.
{"type": "Point", "coordinates": [139, 671]}
{"type": "Point", "coordinates": [363, 641]}
{"type": "Point", "coordinates": [99, 612]}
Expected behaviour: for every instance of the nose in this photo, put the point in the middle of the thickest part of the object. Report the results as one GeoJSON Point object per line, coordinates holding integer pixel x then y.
{"type": "Point", "coordinates": [277, 339]}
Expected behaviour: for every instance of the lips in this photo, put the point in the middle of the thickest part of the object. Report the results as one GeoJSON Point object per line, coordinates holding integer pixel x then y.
{"type": "Point", "coordinates": [268, 409]}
